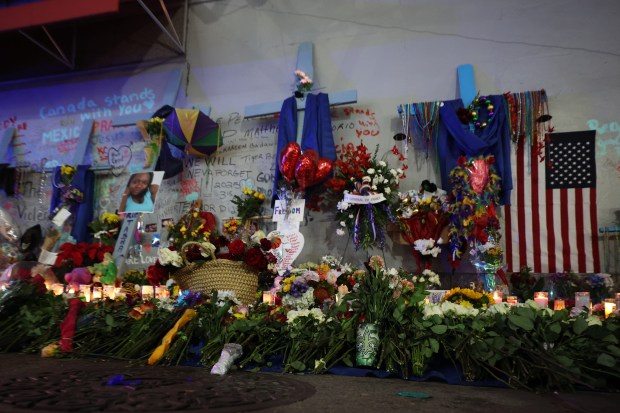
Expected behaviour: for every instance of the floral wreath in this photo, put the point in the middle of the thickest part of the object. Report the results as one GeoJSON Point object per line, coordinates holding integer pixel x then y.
{"type": "Point", "coordinates": [473, 208]}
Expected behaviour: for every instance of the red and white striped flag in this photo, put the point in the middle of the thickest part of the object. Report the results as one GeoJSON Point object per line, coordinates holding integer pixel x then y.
{"type": "Point", "coordinates": [551, 223]}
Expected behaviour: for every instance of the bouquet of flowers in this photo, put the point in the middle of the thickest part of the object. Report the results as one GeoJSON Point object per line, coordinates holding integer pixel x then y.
{"type": "Point", "coordinates": [469, 298]}
{"type": "Point", "coordinates": [367, 189]}
{"type": "Point", "coordinates": [422, 216]}
{"type": "Point", "coordinates": [152, 132]}
{"type": "Point", "coordinates": [600, 286]}
{"type": "Point", "coordinates": [196, 225]}
{"type": "Point", "coordinates": [106, 228]}
{"type": "Point", "coordinates": [565, 284]}
{"type": "Point", "coordinates": [69, 194]}
{"type": "Point", "coordinates": [523, 283]}
{"type": "Point", "coordinates": [373, 294]}
{"type": "Point", "coordinates": [312, 284]}
{"type": "Point", "coordinates": [250, 205]}
{"type": "Point", "coordinates": [304, 83]}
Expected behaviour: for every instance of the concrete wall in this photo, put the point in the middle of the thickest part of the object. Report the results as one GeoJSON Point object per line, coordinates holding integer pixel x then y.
{"type": "Point", "coordinates": [243, 52]}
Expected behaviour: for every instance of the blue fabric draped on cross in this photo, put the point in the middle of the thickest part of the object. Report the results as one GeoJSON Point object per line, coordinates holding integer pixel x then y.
{"type": "Point", "coordinates": [317, 131]}
{"type": "Point", "coordinates": [455, 139]}
{"type": "Point", "coordinates": [84, 181]}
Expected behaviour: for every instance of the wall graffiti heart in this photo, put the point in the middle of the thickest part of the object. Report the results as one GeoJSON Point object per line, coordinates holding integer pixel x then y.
{"type": "Point", "coordinates": [119, 158]}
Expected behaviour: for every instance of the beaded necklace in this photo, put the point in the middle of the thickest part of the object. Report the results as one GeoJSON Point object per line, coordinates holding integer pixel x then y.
{"type": "Point", "coordinates": [481, 102]}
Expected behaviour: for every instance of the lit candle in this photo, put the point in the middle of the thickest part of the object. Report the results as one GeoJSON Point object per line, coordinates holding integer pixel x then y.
{"type": "Point", "coordinates": [148, 292]}
{"type": "Point", "coordinates": [559, 304]}
{"type": "Point", "coordinates": [85, 292]}
{"type": "Point", "coordinates": [610, 306]}
{"type": "Point", "coordinates": [582, 299]}
{"type": "Point", "coordinates": [109, 291]}
{"type": "Point", "coordinates": [58, 288]}
{"type": "Point", "coordinates": [161, 292]}
{"type": "Point", "coordinates": [97, 293]}
{"type": "Point", "coordinates": [512, 300]}
{"type": "Point", "coordinates": [542, 298]}
{"type": "Point", "coordinates": [497, 297]}
{"type": "Point", "coordinates": [268, 297]}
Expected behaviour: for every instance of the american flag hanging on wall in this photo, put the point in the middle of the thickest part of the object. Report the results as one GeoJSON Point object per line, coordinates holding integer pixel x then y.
{"type": "Point", "coordinates": [551, 224]}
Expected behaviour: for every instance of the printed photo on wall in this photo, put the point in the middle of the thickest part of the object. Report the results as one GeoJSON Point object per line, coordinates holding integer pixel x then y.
{"type": "Point", "coordinates": [140, 193]}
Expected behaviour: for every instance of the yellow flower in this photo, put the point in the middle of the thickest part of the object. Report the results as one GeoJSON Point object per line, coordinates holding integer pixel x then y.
{"type": "Point", "coordinates": [51, 350]}
{"type": "Point", "coordinates": [67, 170]}
{"type": "Point", "coordinates": [286, 288]}
{"type": "Point", "coordinates": [239, 315]}
{"type": "Point", "coordinates": [110, 218]}
{"type": "Point", "coordinates": [183, 229]}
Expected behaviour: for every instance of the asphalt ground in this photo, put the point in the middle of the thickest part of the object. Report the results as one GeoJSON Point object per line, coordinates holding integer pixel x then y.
{"type": "Point", "coordinates": [29, 383]}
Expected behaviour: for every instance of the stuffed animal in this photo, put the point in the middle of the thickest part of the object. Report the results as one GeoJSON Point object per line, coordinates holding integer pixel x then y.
{"type": "Point", "coordinates": [105, 270]}
{"type": "Point", "coordinates": [78, 276]}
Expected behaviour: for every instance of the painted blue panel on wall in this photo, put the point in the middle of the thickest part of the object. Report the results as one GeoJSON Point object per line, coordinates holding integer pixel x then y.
{"type": "Point", "coordinates": [49, 117]}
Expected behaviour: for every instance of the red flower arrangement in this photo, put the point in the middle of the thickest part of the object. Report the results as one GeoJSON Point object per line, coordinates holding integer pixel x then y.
{"type": "Point", "coordinates": [83, 254]}
{"type": "Point", "coordinates": [256, 256]}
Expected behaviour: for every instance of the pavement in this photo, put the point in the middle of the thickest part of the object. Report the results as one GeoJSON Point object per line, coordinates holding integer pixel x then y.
{"type": "Point", "coordinates": [29, 383]}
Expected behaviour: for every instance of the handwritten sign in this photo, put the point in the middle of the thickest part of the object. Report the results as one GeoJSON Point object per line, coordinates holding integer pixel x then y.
{"type": "Point", "coordinates": [293, 212]}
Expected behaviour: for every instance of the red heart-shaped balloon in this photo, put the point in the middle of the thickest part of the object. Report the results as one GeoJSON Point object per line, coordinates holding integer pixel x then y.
{"type": "Point", "coordinates": [306, 169]}
{"type": "Point", "coordinates": [287, 161]}
{"type": "Point", "coordinates": [323, 168]}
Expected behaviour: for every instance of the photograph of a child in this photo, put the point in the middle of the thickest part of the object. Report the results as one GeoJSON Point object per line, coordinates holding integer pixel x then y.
{"type": "Point", "coordinates": [141, 192]}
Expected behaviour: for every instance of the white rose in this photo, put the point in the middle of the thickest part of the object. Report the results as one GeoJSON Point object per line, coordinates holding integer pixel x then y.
{"type": "Point", "coordinates": [382, 163]}
{"type": "Point", "coordinates": [343, 206]}
{"type": "Point", "coordinates": [340, 232]}
{"type": "Point", "coordinates": [371, 171]}
{"type": "Point", "coordinates": [387, 190]}
{"type": "Point", "coordinates": [343, 224]}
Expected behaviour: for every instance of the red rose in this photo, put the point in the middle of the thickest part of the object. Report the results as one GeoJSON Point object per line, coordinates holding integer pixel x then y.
{"type": "Point", "coordinates": [265, 244]}
{"type": "Point", "coordinates": [462, 160]}
{"type": "Point", "coordinates": [271, 258]}
{"type": "Point", "coordinates": [157, 274]}
{"type": "Point", "coordinates": [208, 221]}
{"type": "Point", "coordinates": [254, 258]}
{"type": "Point", "coordinates": [236, 247]}
{"type": "Point", "coordinates": [193, 254]}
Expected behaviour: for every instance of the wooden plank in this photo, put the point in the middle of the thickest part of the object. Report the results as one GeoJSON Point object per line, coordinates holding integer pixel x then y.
{"type": "Point", "coordinates": [5, 143]}
{"type": "Point", "coordinates": [305, 60]}
{"type": "Point", "coordinates": [80, 151]}
{"type": "Point", "coordinates": [467, 84]}
{"type": "Point", "coordinates": [266, 109]}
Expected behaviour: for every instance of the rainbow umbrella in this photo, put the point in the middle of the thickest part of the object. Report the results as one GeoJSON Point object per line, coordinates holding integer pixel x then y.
{"type": "Point", "coordinates": [193, 131]}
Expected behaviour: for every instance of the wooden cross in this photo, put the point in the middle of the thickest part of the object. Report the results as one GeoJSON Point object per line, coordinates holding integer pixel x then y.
{"type": "Point", "coordinates": [304, 63]}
